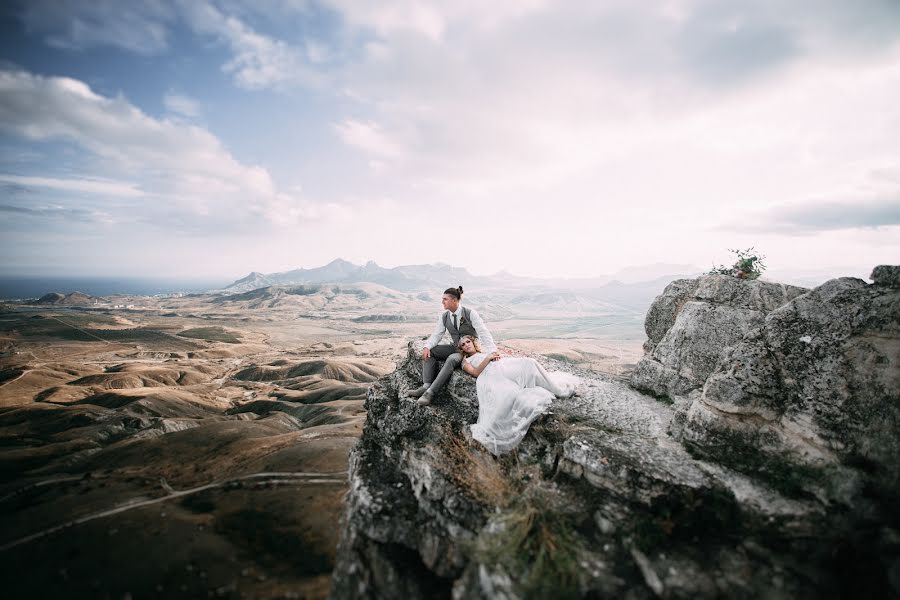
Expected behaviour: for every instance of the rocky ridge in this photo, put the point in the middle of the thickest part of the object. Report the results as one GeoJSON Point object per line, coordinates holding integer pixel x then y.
{"type": "Point", "coordinates": [73, 298]}
{"type": "Point", "coordinates": [806, 396]}
{"type": "Point", "coordinates": [694, 491]}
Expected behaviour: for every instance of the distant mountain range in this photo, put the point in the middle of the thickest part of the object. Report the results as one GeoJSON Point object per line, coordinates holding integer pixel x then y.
{"type": "Point", "coordinates": [437, 277]}
{"type": "Point", "coordinates": [408, 278]}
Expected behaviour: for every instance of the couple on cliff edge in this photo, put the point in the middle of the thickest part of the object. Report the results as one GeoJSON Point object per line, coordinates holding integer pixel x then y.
{"type": "Point", "coordinates": [512, 391]}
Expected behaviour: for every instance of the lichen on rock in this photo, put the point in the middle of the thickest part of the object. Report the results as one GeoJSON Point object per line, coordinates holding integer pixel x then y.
{"type": "Point", "coordinates": [816, 388]}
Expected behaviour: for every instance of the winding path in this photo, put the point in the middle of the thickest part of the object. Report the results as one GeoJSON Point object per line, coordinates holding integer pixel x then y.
{"type": "Point", "coordinates": [262, 477]}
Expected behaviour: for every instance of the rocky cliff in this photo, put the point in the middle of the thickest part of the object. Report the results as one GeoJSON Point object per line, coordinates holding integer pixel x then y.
{"type": "Point", "coordinates": [763, 463]}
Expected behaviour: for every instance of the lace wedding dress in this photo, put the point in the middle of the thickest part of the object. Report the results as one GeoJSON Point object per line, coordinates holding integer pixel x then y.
{"type": "Point", "coordinates": [512, 393]}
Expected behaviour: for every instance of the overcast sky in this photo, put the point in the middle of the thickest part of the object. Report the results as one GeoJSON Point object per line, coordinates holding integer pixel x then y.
{"type": "Point", "coordinates": [548, 138]}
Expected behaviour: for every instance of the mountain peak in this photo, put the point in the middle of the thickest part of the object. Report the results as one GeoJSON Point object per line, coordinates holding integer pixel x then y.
{"type": "Point", "coordinates": [340, 262]}
{"type": "Point", "coordinates": [253, 276]}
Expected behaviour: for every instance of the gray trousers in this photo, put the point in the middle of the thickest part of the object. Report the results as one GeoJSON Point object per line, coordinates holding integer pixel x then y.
{"type": "Point", "coordinates": [452, 359]}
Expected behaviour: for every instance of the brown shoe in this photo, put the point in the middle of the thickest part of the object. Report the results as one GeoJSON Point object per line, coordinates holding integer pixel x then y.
{"type": "Point", "coordinates": [425, 400]}
{"type": "Point", "coordinates": [417, 392]}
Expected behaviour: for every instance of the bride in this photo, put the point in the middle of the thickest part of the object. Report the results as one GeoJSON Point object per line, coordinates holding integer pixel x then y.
{"type": "Point", "coordinates": [512, 393]}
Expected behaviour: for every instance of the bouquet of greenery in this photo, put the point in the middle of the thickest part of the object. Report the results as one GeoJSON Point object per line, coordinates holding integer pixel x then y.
{"type": "Point", "coordinates": [749, 265]}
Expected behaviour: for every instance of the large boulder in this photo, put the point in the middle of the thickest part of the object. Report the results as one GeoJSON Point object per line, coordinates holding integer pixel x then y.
{"type": "Point", "coordinates": [597, 501]}
{"type": "Point", "coordinates": [692, 324]}
{"type": "Point", "coordinates": [812, 397]}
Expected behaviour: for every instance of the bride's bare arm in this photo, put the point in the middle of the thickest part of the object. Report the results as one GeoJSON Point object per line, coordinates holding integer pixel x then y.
{"type": "Point", "coordinates": [476, 371]}
{"type": "Point", "coordinates": [469, 368]}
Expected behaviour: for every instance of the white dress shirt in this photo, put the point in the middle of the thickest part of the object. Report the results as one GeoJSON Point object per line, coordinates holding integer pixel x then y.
{"type": "Point", "coordinates": [484, 336]}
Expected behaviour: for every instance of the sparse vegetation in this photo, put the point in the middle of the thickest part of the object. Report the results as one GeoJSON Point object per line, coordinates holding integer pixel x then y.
{"type": "Point", "coordinates": [211, 334]}
{"type": "Point", "coordinates": [380, 319]}
{"type": "Point", "coordinates": [477, 472]}
{"type": "Point", "coordinates": [303, 290]}
{"type": "Point", "coordinates": [531, 537]}
{"type": "Point", "coordinates": [536, 543]}
{"type": "Point", "coordinates": [563, 357]}
{"type": "Point", "coordinates": [749, 264]}
{"type": "Point", "coordinates": [76, 327]}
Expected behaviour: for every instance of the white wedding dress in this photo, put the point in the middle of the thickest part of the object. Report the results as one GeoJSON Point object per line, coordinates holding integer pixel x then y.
{"type": "Point", "coordinates": [512, 393]}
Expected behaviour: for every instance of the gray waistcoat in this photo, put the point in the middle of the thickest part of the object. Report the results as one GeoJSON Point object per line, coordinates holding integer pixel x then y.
{"type": "Point", "coordinates": [465, 325]}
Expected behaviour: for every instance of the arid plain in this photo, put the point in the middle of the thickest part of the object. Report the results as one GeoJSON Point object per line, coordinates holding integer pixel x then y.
{"type": "Point", "coordinates": [197, 445]}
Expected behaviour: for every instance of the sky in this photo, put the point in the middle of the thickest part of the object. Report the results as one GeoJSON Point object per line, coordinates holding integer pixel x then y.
{"type": "Point", "coordinates": [211, 138]}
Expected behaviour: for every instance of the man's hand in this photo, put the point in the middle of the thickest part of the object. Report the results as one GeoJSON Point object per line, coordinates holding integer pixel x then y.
{"type": "Point", "coordinates": [426, 353]}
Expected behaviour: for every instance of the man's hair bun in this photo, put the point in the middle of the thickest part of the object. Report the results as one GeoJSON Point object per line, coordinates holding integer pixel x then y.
{"type": "Point", "coordinates": [455, 292]}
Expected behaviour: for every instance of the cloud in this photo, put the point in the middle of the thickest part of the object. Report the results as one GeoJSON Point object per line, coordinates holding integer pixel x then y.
{"type": "Point", "coordinates": [711, 41]}
{"type": "Point", "coordinates": [140, 27]}
{"type": "Point", "coordinates": [577, 124]}
{"type": "Point", "coordinates": [708, 42]}
{"type": "Point", "coordinates": [55, 212]}
{"type": "Point", "coordinates": [258, 61]}
{"type": "Point", "coordinates": [371, 138]}
{"type": "Point", "coordinates": [890, 174]}
{"type": "Point", "coordinates": [89, 186]}
{"type": "Point", "coordinates": [833, 215]}
{"type": "Point", "coordinates": [602, 106]}
{"type": "Point", "coordinates": [730, 49]}
{"type": "Point", "coordinates": [182, 169]}
{"type": "Point", "coordinates": [181, 104]}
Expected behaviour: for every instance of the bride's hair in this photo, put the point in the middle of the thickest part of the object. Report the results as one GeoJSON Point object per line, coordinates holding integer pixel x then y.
{"type": "Point", "coordinates": [455, 292]}
{"type": "Point", "coordinates": [474, 339]}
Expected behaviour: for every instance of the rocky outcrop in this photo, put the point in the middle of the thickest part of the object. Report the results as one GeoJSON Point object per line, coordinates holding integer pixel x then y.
{"type": "Point", "coordinates": [811, 399]}
{"type": "Point", "coordinates": [598, 500]}
{"type": "Point", "coordinates": [693, 322]}
{"type": "Point", "coordinates": [886, 276]}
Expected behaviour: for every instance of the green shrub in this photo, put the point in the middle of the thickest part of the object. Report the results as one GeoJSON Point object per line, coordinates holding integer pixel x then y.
{"type": "Point", "coordinates": [749, 265]}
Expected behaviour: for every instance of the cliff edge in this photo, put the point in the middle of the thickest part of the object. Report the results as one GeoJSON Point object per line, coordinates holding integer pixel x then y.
{"type": "Point", "coordinates": [704, 487]}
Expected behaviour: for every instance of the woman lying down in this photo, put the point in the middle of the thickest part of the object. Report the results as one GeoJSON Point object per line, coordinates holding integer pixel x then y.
{"type": "Point", "coordinates": [512, 393]}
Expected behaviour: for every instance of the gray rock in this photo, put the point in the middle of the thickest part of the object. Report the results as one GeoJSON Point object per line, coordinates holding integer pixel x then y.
{"type": "Point", "coordinates": [691, 325]}
{"type": "Point", "coordinates": [662, 313]}
{"type": "Point", "coordinates": [612, 505]}
{"type": "Point", "coordinates": [887, 275]}
{"type": "Point", "coordinates": [811, 395]}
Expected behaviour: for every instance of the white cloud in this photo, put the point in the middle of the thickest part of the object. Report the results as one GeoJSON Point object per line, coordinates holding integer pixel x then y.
{"type": "Point", "coordinates": [258, 61]}
{"type": "Point", "coordinates": [432, 18]}
{"type": "Point", "coordinates": [181, 104]}
{"type": "Point", "coordinates": [182, 169]}
{"type": "Point", "coordinates": [607, 131]}
{"type": "Point", "coordinates": [598, 130]}
{"type": "Point", "coordinates": [371, 138]}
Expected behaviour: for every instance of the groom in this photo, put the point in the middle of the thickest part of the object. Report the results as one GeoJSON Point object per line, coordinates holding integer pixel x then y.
{"type": "Point", "coordinates": [458, 321]}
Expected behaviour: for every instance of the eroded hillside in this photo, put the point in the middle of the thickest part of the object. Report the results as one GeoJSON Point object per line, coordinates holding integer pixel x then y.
{"type": "Point", "coordinates": [155, 455]}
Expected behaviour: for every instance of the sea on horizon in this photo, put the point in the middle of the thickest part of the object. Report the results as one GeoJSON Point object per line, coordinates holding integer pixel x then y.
{"type": "Point", "coordinates": [22, 288]}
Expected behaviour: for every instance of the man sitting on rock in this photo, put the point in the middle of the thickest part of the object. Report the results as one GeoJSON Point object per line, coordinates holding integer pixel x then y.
{"type": "Point", "coordinates": [458, 321]}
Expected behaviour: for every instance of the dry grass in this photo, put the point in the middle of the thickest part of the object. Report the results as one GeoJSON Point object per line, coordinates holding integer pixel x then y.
{"type": "Point", "coordinates": [530, 535]}
{"type": "Point", "coordinates": [477, 472]}
{"type": "Point", "coordinates": [537, 544]}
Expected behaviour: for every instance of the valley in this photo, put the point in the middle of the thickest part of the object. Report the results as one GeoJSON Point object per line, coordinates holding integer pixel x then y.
{"type": "Point", "coordinates": [208, 433]}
